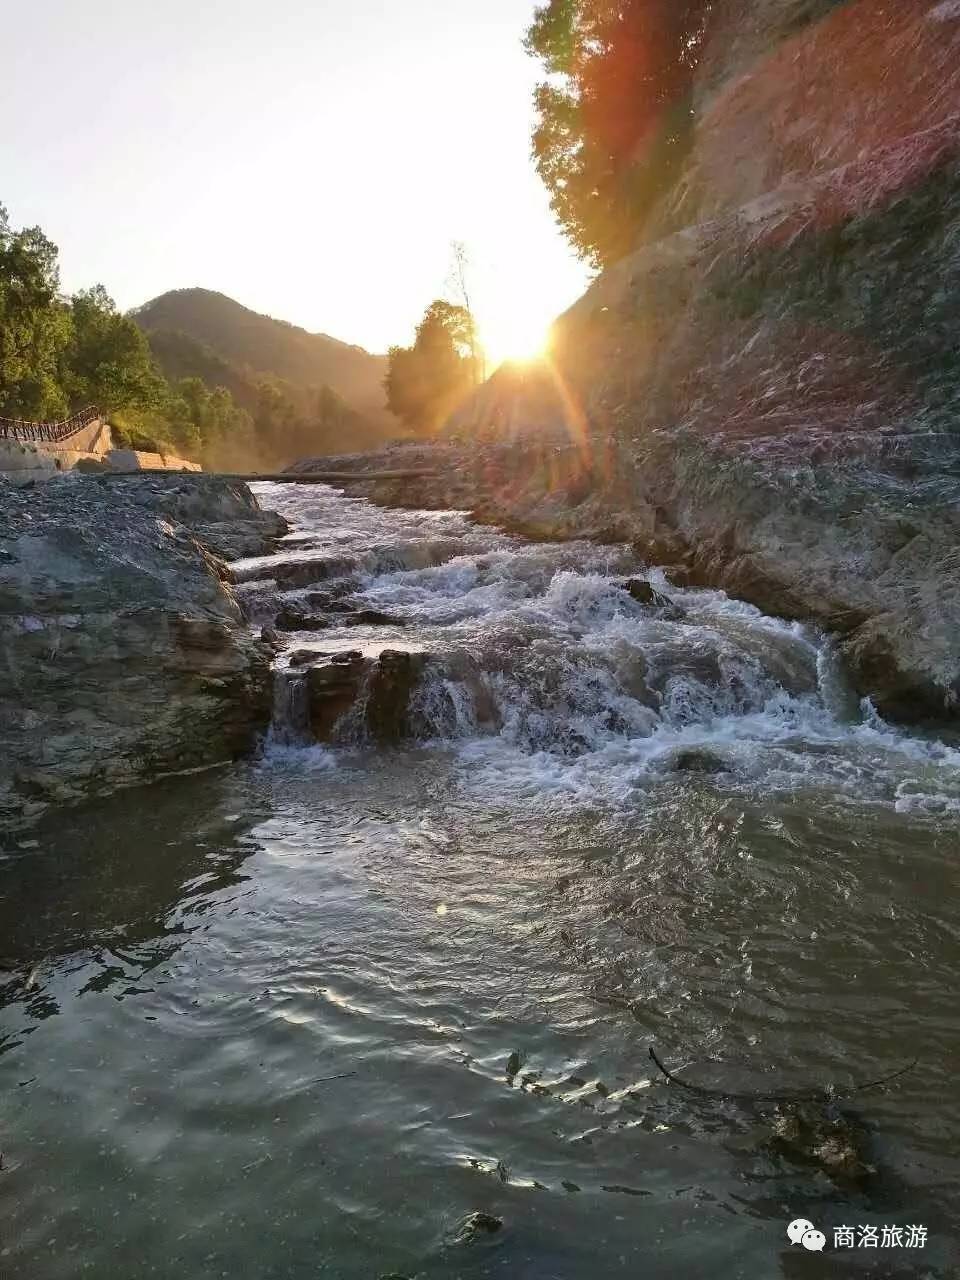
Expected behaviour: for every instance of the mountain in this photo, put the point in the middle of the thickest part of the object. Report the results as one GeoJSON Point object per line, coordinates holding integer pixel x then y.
{"type": "Point", "coordinates": [181, 356]}
{"type": "Point", "coordinates": [196, 332]}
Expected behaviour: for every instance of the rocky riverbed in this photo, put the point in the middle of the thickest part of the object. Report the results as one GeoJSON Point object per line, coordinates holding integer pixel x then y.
{"type": "Point", "coordinates": [379, 997]}
{"type": "Point", "coordinates": [124, 652]}
{"type": "Point", "coordinates": [865, 549]}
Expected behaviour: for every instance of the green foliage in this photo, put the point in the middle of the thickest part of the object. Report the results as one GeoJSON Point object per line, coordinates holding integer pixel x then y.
{"type": "Point", "coordinates": [108, 361]}
{"type": "Point", "coordinates": [60, 354]}
{"type": "Point", "coordinates": [288, 420]}
{"type": "Point", "coordinates": [166, 391]}
{"type": "Point", "coordinates": [614, 116]}
{"type": "Point", "coordinates": [256, 346]}
{"type": "Point", "coordinates": [126, 436]}
{"type": "Point", "coordinates": [427, 381]}
{"type": "Point", "coordinates": [34, 326]}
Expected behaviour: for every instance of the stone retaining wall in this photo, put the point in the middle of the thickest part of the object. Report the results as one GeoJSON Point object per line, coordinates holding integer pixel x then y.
{"type": "Point", "coordinates": [137, 460]}
{"type": "Point", "coordinates": [23, 462]}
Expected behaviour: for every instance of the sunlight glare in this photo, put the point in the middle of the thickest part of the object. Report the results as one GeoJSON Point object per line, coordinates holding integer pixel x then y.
{"type": "Point", "coordinates": [513, 336]}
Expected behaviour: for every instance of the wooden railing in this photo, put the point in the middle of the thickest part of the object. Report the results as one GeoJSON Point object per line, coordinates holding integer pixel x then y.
{"type": "Point", "coordinates": [52, 432]}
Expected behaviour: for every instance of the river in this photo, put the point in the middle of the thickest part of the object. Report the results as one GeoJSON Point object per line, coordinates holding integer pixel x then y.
{"type": "Point", "coordinates": [303, 1016]}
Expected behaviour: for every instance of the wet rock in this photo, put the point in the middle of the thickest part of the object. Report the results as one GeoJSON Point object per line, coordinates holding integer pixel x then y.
{"type": "Point", "coordinates": [874, 654]}
{"type": "Point", "coordinates": [397, 675]}
{"type": "Point", "coordinates": [474, 1227]}
{"type": "Point", "coordinates": [290, 618]}
{"type": "Point", "coordinates": [514, 1063]}
{"type": "Point", "coordinates": [824, 1137]}
{"type": "Point", "coordinates": [379, 688]}
{"type": "Point", "coordinates": [271, 639]}
{"type": "Point", "coordinates": [699, 761]}
{"type": "Point", "coordinates": [301, 573]}
{"type": "Point", "coordinates": [125, 655]}
{"type": "Point", "coordinates": [305, 657]}
{"type": "Point", "coordinates": [331, 600]}
{"type": "Point", "coordinates": [372, 618]}
{"type": "Point", "coordinates": [346, 658]}
{"type": "Point", "coordinates": [333, 686]}
{"type": "Point", "coordinates": [646, 594]}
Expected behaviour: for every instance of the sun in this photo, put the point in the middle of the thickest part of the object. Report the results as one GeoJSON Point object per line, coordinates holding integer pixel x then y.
{"type": "Point", "coordinates": [515, 337]}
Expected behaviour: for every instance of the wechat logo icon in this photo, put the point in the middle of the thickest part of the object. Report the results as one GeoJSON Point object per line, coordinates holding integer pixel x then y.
{"type": "Point", "coordinates": [802, 1231]}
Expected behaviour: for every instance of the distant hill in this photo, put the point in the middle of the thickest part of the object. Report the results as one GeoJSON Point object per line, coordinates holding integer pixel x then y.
{"type": "Point", "coordinates": [181, 356]}
{"type": "Point", "coordinates": [196, 332]}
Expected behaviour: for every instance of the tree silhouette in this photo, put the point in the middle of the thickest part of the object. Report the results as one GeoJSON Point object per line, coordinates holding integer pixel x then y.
{"type": "Point", "coordinates": [427, 381]}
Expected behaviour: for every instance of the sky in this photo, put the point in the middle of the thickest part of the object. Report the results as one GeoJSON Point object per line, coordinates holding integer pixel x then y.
{"type": "Point", "coordinates": [311, 159]}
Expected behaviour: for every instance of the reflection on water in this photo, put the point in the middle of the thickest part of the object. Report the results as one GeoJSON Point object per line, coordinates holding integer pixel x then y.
{"type": "Point", "coordinates": [302, 1017]}
{"type": "Point", "coordinates": [103, 897]}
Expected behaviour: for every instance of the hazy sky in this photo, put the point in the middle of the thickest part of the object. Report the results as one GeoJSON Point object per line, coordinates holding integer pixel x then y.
{"type": "Point", "coordinates": [312, 159]}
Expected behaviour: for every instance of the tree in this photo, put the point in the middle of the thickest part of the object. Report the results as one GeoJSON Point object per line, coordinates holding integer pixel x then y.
{"type": "Point", "coordinates": [109, 360]}
{"type": "Point", "coordinates": [34, 326]}
{"type": "Point", "coordinates": [614, 117]}
{"type": "Point", "coordinates": [459, 278]}
{"type": "Point", "coordinates": [58, 354]}
{"type": "Point", "coordinates": [427, 381]}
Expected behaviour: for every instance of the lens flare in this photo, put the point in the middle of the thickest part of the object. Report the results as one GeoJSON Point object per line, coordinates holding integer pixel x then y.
{"type": "Point", "coordinates": [514, 337]}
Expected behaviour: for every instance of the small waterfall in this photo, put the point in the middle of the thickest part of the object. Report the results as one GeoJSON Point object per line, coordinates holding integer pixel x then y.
{"type": "Point", "coordinates": [555, 668]}
{"type": "Point", "coordinates": [290, 725]}
{"type": "Point", "coordinates": [836, 689]}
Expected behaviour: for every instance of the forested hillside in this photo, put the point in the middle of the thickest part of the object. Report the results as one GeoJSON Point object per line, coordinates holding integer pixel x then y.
{"type": "Point", "coordinates": [269, 394]}
{"type": "Point", "coordinates": [258, 345]}
{"type": "Point", "coordinates": [59, 353]}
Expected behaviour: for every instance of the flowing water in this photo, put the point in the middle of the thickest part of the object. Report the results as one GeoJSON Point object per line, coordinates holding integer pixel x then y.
{"type": "Point", "coordinates": [301, 1017]}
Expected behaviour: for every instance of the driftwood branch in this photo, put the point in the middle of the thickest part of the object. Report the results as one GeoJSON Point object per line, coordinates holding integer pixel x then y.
{"type": "Point", "coordinates": [875, 1084]}
{"type": "Point", "coordinates": [676, 1079]}
{"type": "Point", "coordinates": [282, 477]}
{"type": "Point", "coordinates": [720, 1093]}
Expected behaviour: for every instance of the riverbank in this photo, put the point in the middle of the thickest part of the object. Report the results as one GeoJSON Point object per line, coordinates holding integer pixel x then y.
{"type": "Point", "coordinates": [125, 655]}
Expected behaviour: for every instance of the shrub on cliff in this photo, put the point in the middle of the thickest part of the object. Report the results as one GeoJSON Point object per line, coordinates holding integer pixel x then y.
{"type": "Point", "coordinates": [614, 115]}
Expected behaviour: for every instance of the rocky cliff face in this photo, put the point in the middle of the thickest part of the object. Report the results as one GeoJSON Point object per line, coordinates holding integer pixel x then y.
{"type": "Point", "coordinates": [123, 653]}
{"type": "Point", "coordinates": [767, 392]}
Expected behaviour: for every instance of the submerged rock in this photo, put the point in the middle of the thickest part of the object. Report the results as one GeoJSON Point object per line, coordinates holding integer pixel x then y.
{"type": "Point", "coordinates": [646, 593]}
{"type": "Point", "coordinates": [699, 761]}
{"type": "Point", "coordinates": [474, 1227]}
{"type": "Point", "coordinates": [124, 654]}
{"type": "Point", "coordinates": [824, 1137]}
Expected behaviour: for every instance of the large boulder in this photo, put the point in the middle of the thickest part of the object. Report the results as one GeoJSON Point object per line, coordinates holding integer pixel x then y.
{"type": "Point", "coordinates": [397, 674]}
{"type": "Point", "coordinates": [123, 653]}
{"type": "Point", "coordinates": [361, 696]}
{"type": "Point", "coordinates": [334, 684]}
